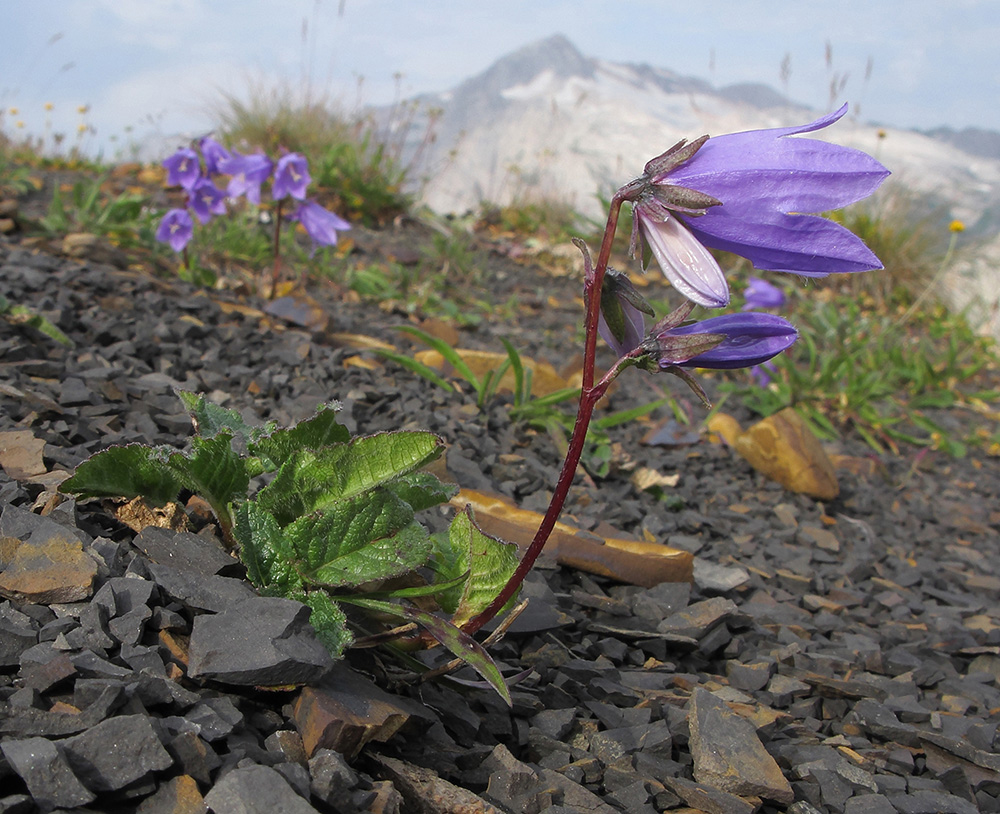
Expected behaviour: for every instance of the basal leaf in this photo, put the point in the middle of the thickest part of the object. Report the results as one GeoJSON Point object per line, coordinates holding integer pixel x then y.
{"type": "Point", "coordinates": [210, 419]}
{"type": "Point", "coordinates": [312, 480]}
{"type": "Point", "coordinates": [322, 430]}
{"type": "Point", "coordinates": [128, 471]}
{"type": "Point", "coordinates": [369, 537]}
{"type": "Point", "coordinates": [213, 470]}
{"type": "Point", "coordinates": [422, 490]}
{"type": "Point", "coordinates": [488, 561]}
{"type": "Point", "coordinates": [264, 552]}
{"type": "Point", "coordinates": [329, 622]}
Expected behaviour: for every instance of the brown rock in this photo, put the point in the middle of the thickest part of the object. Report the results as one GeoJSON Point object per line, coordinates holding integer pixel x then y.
{"type": "Point", "coordinates": [48, 571]}
{"type": "Point", "coordinates": [783, 447]}
{"type": "Point", "coordinates": [425, 792]}
{"type": "Point", "coordinates": [728, 754]}
{"type": "Point", "coordinates": [179, 795]}
{"type": "Point", "coordinates": [21, 454]}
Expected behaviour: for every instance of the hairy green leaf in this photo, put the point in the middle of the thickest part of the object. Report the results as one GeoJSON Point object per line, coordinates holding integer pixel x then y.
{"type": "Point", "coordinates": [328, 620]}
{"type": "Point", "coordinates": [311, 480]}
{"type": "Point", "coordinates": [366, 538]}
{"type": "Point", "coordinates": [489, 563]}
{"type": "Point", "coordinates": [422, 490]}
{"type": "Point", "coordinates": [264, 551]}
{"type": "Point", "coordinates": [210, 419]}
{"type": "Point", "coordinates": [128, 471]}
{"type": "Point", "coordinates": [213, 471]}
{"type": "Point", "coordinates": [322, 430]}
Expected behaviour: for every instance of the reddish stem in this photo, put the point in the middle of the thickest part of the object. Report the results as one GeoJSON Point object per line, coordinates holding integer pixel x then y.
{"type": "Point", "coordinates": [277, 250]}
{"type": "Point", "coordinates": [590, 394]}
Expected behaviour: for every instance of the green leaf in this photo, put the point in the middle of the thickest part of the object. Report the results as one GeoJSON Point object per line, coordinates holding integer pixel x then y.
{"type": "Point", "coordinates": [328, 620]}
{"type": "Point", "coordinates": [211, 419]}
{"type": "Point", "coordinates": [312, 480]}
{"type": "Point", "coordinates": [128, 471]}
{"type": "Point", "coordinates": [422, 490]}
{"type": "Point", "coordinates": [264, 551]}
{"type": "Point", "coordinates": [489, 563]}
{"type": "Point", "coordinates": [213, 471]}
{"type": "Point", "coordinates": [414, 366]}
{"type": "Point", "coordinates": [449, 354]}
{"type": "Point", "coordinates": [322, 430]}
{"type": "Point", "coordinates": [366, 538]}
{"type": "Point", "coordinates": [461, 644]}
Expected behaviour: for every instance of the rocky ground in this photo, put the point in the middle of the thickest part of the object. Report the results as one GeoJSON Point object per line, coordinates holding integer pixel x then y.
{"type": "Point", "coordinates": [837, 656]}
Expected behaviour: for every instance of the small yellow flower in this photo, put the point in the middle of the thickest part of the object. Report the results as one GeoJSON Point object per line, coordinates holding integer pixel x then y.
{"type": "Point", "coordinates": [81, 128]}
{"type": "Point", "coordinates": [881, 133]}
{"type": "Point", "coordinates": [49, 105]}
{"type": "Point", "coordinates": [20, 123]}
{"type": "Point", "coordinates": [14, 111]}
{"type": "Point", "coordinates": [82, 109]}
{"type": "Point", "coordinates": [956, 226]}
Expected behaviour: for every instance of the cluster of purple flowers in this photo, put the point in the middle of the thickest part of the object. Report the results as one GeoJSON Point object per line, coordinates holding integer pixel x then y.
{"type": "Point", "coordinates": [247, 174]}
{"type": "Point", "coordinates": [754, 194]}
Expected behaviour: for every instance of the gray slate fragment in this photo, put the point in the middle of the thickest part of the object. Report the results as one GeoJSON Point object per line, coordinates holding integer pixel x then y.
{"type": "Point", "coordinates": [181, 549]}
{"type": "Point", "coordinates": [46, 773]}
{"type": "Point", "coordinates": [728, 754]}
{"type": "Point", "coordinates": [255, 790]}
{"type": "Point", "coordinates": [198, 591]}
{"type": "Point", "coordinates": [263, 641]}
{"type": "Point", "coordinates": [932, 802]}
{"type": "Point", "coordinates": [711, 577]}
{"type": "Point", "coordinates": [331, 778]}
{"type": "Point", "coordinates": [869, 804]}
{"type": "Point", "coordinates": [116, 752]}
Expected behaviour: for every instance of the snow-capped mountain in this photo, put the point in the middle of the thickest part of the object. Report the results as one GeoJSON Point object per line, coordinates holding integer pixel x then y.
{"type": "Point", "coordinates": [548, 123]}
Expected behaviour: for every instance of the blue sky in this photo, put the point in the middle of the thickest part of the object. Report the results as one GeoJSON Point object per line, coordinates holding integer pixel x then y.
{"type": "Point", "coordinates": [158, 66]}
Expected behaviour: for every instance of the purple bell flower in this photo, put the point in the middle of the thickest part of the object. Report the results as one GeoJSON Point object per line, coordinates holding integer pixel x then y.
{"type": "Point", "coordinates": [183, 168]}
{"type": "Point", "coordinates": [291, 177]}
{"type": "Point", "coordinates": [320, 224]}
{"type": "Point", "coordinates": [743, 340]}
{"type": "Point", "coordinates": [176, 228]}
{"type": "Point", "coordinates": [752, 194]}
{"type": "Point", "coordinates": [213, 153]}
{"type": "Point", "coordinates": [762, 294]}
{"type": "Point", "coordinates": [206, 200]}
{"type": "Point", "coordinates": [248, 173]}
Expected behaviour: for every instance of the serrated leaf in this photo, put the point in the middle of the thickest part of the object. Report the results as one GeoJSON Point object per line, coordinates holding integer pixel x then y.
{"type": "Point", "coordinates": [312, 480]}
{"type": "Point", "coordinates": [329, 622]}
{"type": "Point", "coordinates": [213, 471]}
{"type": "Point", "coordinates": [211, 419]}
{"type": "Point", "coordinates": [322, 430]}
{"type": "Point", "coordinates": [488, 561]}
{"type": "Point", "coordinates": [461, 644]}
{"type": "Point", "coordinates": [369, 537]}
{"type": "Point", "coordinates": [422, 490]}
{"type": "Point", "coordinates": [133, 470]}
{"type": "Point", "coordinates": [264, 552]}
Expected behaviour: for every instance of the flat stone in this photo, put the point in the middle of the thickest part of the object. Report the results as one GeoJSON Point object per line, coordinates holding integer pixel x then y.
{"type": "Point", "coordinates": [699, 618]}
{"type": "Point", "coordinates": [708, 798]}
{"type": "Point", "coordinates": [423, 790]}
{"type": "Point", "coordinates": [255, 790]}
{"type": "Point", "coordinates": [49, 569]}
{"type": "Point", "coordinates": [262, 641]}
{"type": "Point", "coordinates": [932, 802]}
{"type": "Point", "coordinates": [711, 577]}
{"type": "Point", "coordinates": [116, 752]}
{"type": "Point", "coordinates": [728, 754]}
{"type": "Point", "coordinates": [46, 773]}
{"type": "Point", "coordinates": [198, 591]}
{"type": "Point", "coordinates": [331, 779]}
{"type": "Point", "coordinates": [182, 549]}
{"type": "Point", "coordinates": [178, 795]}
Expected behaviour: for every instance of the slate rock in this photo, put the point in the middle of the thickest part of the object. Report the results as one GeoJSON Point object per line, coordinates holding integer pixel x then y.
{"type": "Point", "coordinates": [708, 798]}
{"type": "Point", "coordinates": [46, 569]}
{"type": "Point", "coordinates": [17, 634]}
{"type": "Point", "coordinates": [178, 795]}
{"type": "Point", "coordinates": [699, 618]}
{"type": "Point", "coordinates": [182, 549]}
{"type": "Point", "coordinates": [332, 780]}
{"type": "Point", "coordinates": [116, 752]}
{"type": "Point", "coordinates": [710, 577]}
{"type": "Point", "coordinates": [869, 804]}
{"type": "Point", "coordinates": [255, 790]}
{"type": "Point", "coordinates": [262, 641]}
{"type": "Point", "coordinates": [198, 591]}
{"type": "Point", "coordinates": [46, 773]}
{"type": "Point", "coordinates": [932, 802]}
{"type": "Point", "coordinates": [423, 790]}
{"type": "Point", "coordinates": [728, 754]}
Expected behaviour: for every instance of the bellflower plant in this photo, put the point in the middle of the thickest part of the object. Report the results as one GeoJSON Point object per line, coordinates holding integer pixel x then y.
{"type": "Point", "coordinates": [247, 176]}
{"type": "Point", "coordinates": [755, 194]}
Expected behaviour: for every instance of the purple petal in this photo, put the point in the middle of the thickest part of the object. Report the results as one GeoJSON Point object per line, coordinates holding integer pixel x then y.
{"type": "Point", "coordinates": [751, 339]}
{"type": "Point", "coordinates": [176, 228]}
{"type": "Point", "coordinates": [291, 177]}
{"type": "Point", "coordinates": [320, 224]}
{"type": "Point", "coordinates": [685, 262]}
{"type": "Point", "coordinates": [183, 168]}
{"type": "Point", "coordinates": [762, 294]}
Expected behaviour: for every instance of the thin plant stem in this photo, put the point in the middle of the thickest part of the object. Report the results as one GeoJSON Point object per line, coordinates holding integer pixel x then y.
{"type": "Point", "coordinates": [276, 273]}
{"type": "Point", "coordinates": [590, 394]}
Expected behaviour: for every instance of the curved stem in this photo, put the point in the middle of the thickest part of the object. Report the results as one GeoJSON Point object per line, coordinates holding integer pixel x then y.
{"type": "Point", "coordinates": [590, 394]}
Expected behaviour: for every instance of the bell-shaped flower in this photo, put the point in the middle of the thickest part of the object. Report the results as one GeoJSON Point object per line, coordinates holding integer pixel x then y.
{"type": "Point", "coordinates": [176, 228]}
{"type": "Point", "coordinates": [183, 168]}
{"type": "Point", "coordinates": [762, 294]}
{"type": "Point", "coordinates": [320, 224]}
{"type": "Point", "coordinates": [206, 200]}
{"type": "Point", "coordinates": [247, 173]}
{"type": "Point", "coordinates": [755, 194]}
{"type": "Point", "coordinates": [291, 177]}
{"type": "Point", "coordinates": [213, 153]}
{"type": "Point", "coordinates": [731, 341]}
{"type": "Point", "coordinates": [620, 322]}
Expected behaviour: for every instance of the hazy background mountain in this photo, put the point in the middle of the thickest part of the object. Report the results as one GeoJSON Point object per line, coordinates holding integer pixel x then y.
{"type": "Point", "coordinates": [548, 123]}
